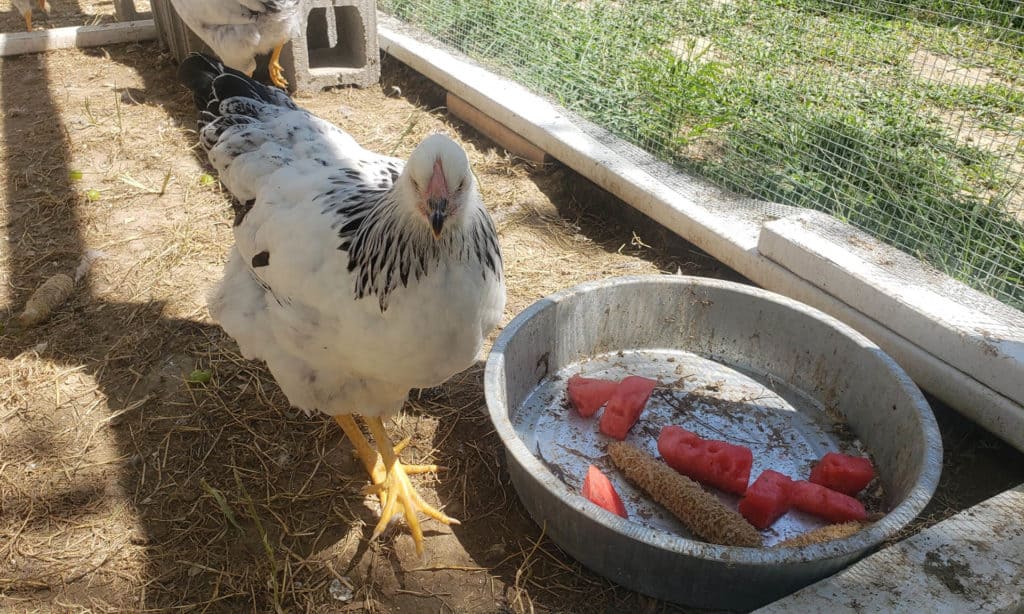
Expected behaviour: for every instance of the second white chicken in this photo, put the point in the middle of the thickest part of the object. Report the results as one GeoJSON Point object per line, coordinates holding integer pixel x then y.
{"type": "Point", "coordinates": [239, 30]}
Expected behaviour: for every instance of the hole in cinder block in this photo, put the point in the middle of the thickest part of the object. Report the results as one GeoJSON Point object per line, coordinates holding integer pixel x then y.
{"type": "Point", "coordinates": [335, 38]}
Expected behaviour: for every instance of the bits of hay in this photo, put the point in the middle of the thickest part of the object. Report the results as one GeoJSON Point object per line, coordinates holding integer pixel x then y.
{"type": "Point", "coordinates": [46, 298]}
{"type": "Point", "coordinates": [821, 535]}
{"type": "Point", "coordinates": [699, 510]}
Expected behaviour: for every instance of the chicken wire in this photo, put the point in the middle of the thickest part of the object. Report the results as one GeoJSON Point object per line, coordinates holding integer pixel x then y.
{"type": "Point", "coordinates": [902, 118]}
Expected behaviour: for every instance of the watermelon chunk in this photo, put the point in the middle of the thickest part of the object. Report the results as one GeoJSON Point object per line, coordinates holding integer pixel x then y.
{"type": "Point", "coordinates": [717, 463]}
{"type": "Point", "coordinates": [598, 489]}
{"type": "Point", "coordinates": [588, 394]}
{"type": "Point", "coordinates": [825, 503]}
{"type": "Point", "coordinates": [767, 499]}
{"type": "Point", "coordinates": [846, 474]}
{"type": "Point", "coordinates": [625, 405]}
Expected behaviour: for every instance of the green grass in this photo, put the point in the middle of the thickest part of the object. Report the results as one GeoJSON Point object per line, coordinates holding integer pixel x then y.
{"type": "Point", "coordinates": [900, 117]}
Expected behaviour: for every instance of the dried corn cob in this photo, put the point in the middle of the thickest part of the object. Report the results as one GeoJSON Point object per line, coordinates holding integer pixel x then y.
{"type": "Point", "coordinates": [822, 534]}
{"type": "Point", "coordinates": [46, 298]}
{"type": "Point", "coordinates": [699, 510]}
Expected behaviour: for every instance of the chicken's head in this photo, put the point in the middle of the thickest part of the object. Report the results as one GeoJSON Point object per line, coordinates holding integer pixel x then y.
{"type": "Point", "coordinates": [441, 181]}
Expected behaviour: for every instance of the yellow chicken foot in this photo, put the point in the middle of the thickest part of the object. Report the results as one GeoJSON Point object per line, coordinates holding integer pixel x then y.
{"type": "Point", "coordinates": [396, 488]}
{"type": "Point", "coordinates": [276, 72]}
{"type": "Point", "coordinates": [372, 460]}
{"type": "Point", "coordinates": [28, 20]}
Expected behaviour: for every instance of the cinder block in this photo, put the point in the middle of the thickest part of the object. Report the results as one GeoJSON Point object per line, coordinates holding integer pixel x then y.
{"type": "Point", "coordinates": [172, 32]}
{"type": "Point", "coordinates": [337, 45]}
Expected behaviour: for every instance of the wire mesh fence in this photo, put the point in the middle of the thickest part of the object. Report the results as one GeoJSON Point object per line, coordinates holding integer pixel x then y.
{"type": "Point", "coordinates": [904, 118]}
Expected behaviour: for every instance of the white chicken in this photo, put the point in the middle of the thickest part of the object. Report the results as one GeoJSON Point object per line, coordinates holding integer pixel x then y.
{"type": "Point", "coordinates": [25, 8]}
{"type": "Point", "coordinates": [239, 30]}
{"type": "Point", "coordinates": [355, 276]}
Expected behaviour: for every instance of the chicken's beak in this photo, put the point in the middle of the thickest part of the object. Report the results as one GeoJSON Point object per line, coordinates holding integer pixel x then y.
{"type": "Point", "coordinates": [437, 217]}
{"type": "Point", "coordinates": [437, 199]}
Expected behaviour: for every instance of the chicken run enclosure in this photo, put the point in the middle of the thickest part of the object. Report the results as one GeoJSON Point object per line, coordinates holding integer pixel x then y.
{"type": "Point", "coordinates": [904, 119]}
{"type": "Point", "coordinates": [145, 465]}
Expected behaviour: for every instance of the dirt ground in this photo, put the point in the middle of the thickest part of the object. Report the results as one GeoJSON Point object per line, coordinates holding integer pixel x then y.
{"type": "Point", "coordinates": [126, 487]}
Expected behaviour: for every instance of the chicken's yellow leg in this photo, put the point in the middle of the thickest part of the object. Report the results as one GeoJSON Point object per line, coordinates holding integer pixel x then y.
{"type": "Point", "coordinates": [399, 490]}
{"type": "Point", "coordinates": [28, 20]}
{"type": "Point", "coordinates": [365, 452]}
{"type": "Point", "coordinates": [42, 5]}
{"type": "Point", "coordinates": [371, 460]}
{"type": "Point", "coordinates": [276, 72]}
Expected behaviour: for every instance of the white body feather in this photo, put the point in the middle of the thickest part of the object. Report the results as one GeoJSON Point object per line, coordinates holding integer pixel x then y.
{"type": "Point", "coordinates": [239, 30]}
{"type": "Point", "coordinates": [329, 350]}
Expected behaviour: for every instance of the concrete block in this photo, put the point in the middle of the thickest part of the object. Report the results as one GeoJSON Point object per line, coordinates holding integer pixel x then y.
{"type": "Point", "coordinates": [337, 45]}
{"type": "Point", "coordinates": [968, 563]}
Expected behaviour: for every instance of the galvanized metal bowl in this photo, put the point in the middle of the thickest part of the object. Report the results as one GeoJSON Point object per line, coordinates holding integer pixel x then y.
{"type": "Point", "coordinates": [736, 363]}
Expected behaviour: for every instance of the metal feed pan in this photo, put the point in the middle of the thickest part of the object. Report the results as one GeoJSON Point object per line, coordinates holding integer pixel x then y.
{"type": "Point", "coordinates": [736, 363]}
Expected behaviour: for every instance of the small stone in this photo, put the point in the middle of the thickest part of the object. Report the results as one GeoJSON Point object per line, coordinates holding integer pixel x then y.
{"type": "Point", "coordinates": [340, 591]}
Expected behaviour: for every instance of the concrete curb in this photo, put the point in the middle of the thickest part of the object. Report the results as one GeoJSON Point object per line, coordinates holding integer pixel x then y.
{"type": "Point", "coordinates": [968, 563]}
{"type": "Point", "coordinates": [19, 43]}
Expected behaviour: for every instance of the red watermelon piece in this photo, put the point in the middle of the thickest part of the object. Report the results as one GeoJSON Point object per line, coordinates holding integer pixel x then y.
{"type": "Point", "coordinates": [588, 394]}
{"type": "Point", "coordinates": [767, 499]}
{"type": "Point", "coordinates": [625, 405]}
{"type": "Point", "coordinates": [717, 463]}
{"type": "Point", "coordinates": [825, 503]}
{"type": "Point", "coordinates": [599, 489]}
{"type": "Point", "coordinates": [841, 472]}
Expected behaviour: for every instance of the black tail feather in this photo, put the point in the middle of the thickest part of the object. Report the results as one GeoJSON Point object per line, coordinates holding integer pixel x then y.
{"type": "Point", "coordinates": [198, 72]}
{"type": "Point", "coordinates": [212, 82]}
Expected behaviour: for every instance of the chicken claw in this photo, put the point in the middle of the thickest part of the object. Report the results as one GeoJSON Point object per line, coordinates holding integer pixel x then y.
{"type": "Point", "coordinates": [395, 489]}
{"type": "Point", "coordinates": [275, 69]}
